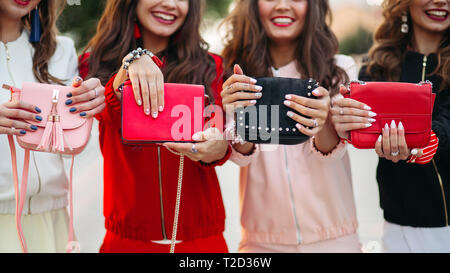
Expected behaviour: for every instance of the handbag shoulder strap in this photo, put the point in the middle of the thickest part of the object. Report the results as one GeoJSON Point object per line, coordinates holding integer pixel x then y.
{"type": "Point", "coordinates": [20, 196]}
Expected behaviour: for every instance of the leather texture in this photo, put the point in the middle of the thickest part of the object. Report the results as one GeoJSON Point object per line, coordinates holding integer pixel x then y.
{"type": "Point", "coordinates": [183, 115]}
{"type": "Point", "coordinates": [260, 124]}
{"type": "Point", "coordinates": [411, 104]}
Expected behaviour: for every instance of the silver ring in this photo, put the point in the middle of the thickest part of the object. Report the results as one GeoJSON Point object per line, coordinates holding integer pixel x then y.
{"type": "Point", "coordinates": [341, 112]}
{"type": "Point", "coordinates": [395, 153]}
{"type": "Point", "coordinates": [96, 92]}
{"type": "Point", "coordinates": [316, 124]}
{"type": "Point", "coordinates": [193, 149]}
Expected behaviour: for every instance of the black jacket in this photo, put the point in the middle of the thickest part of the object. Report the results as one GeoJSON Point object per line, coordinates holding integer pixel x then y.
{"type": "Point", "coordinates": [412, 194]}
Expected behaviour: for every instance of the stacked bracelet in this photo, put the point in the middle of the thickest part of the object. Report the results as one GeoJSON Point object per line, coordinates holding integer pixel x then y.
{"type": "Point", "coordinates": [138, 53]}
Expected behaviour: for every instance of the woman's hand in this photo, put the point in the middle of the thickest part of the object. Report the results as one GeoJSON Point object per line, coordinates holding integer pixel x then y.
{"type": "Point", "coordinates": [392, 146]}
{"type": "Point", "coordinates": [148, 84]}
{"type": "Point", "coordinates": [239, 91]}
{"type": "Point", "coordinates": [210, 146]}
{"type": "Point", "coordinates": [316, 109]}
{"type": "Point", "coordinates": [89, 95]}
{"type": "Point", "coordinates": [349, 114]}
{"type": "Point", "coordinates": [13, 116]}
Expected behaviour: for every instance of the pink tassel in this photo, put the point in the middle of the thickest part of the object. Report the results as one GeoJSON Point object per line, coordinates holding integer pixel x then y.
{"type": "Point", "coordinates": [58, 137]}
{"type": "Point", "coordinates": [47, 136]}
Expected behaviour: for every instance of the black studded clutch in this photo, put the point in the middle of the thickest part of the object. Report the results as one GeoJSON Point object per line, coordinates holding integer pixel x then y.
{"type": "Point", "coordinates": [267, 122]}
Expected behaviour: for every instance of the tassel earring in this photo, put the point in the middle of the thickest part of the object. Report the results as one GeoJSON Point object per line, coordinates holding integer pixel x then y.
{"type": "Point", "coordinates": [405, 27]}
{"type": "Point", "coordinates": [137, 31]}
{"type": "Point", "coordinates": [36, 30]}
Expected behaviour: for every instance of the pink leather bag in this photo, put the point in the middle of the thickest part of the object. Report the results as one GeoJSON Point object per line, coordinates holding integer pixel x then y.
{"type": "Point", "coordinates": [60, 132]}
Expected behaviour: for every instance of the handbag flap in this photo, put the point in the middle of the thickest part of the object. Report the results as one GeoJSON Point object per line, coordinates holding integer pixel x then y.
{"type": "Point", "coordinates": [41, 95]}
{"type": "Point", "coordinates": [411, 104]}
{"type": "Point", "coordinates": [183, 115]}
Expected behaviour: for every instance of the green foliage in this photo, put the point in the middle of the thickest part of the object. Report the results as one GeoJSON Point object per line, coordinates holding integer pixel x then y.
{"type": "Point", "coordinates": [80, 21]}
{"type": "Point", "coordinates": [358, 43]}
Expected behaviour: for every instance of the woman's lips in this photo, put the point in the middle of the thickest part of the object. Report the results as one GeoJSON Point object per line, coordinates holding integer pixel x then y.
{"type": "Point", "coordinates": [164, 18]}
{"type": "Point", "coordinates": [439, 15]}
{"type": "Point", "coordinates": [23, 3]}
{"type": "Point", "coordinates": [282, 21]}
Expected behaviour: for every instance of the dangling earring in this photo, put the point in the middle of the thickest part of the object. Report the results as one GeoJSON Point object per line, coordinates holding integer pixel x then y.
{"type": "Point", "coordinates": [137, 31]}
{"type": "Point", "coordinates": [405, 27]}
{"type": "Point", "coordinates": [35, 36]}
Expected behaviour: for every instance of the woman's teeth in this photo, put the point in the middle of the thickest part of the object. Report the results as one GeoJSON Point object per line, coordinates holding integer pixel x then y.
{"type": "Point", "coordinates": [283, 20]}
{"type": "Point", "coordinates": [165, 17]}
{"type": "Point", "coordinates": [437, 13]}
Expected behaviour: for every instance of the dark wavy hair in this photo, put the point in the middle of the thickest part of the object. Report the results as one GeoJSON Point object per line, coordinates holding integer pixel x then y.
{"type": "Point", "coordinates": [187, 58]}
{"type": "Point", "coordinates": [247, 44]}
{"type": "Point", "coordinates": [388, 52]}
{"type": "Point", "coordinates": [49, 11]}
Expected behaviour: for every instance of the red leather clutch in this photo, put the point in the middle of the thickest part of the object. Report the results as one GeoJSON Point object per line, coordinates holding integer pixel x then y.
{"type": "Point", "coordinates": [411, 104]}
{"type": "Point", "coordinates": [183, 115]}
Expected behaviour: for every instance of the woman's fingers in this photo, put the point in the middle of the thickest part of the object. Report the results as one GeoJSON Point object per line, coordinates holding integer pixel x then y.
{"type": "Point", "coordinates": [87, 106]}
{"type": "Point", "coordinates": [304, 121]}
{"type": "Point", "coordinates": [95, 111]}
{"type": "Point", "coordinates": [77, 81]}
{"type": "Point", "coordinates": [145, 93]}
{"type": "Point", "coordinates": [393, 140]}
{"type": "Point", "coordinates": [135, 83]}
{"type": "Point", "coordinates": [379, 146]}
{"type": "Point", "coordinates": [160, 91]}
{"type": "Point", "coordinates": [386, 142]}
{"type": "Point", "coordinates": [403, 147]}
{"type": "Point", "coordinates": [21, 114]}
{"type": "Point", "coordinates": [153, 90]}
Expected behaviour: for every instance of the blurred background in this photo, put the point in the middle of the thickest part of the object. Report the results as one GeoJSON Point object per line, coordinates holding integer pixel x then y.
{"type": "Point", "coordinates": [354, 22]}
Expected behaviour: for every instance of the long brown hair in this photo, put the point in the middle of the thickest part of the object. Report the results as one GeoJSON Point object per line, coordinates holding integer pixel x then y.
{"type": "Point", "coordinates": [49, 11]}
{"type": "Point", "coordinates": [247, 44]}
{"type": "Point", "coordinates": [187, 59]}
{"type": "Point", "coordinates": [391, 45]}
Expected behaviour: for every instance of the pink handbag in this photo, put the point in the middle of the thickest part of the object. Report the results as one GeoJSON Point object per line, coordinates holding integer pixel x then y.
{"type": "Point", "coordinates": [60, 132]}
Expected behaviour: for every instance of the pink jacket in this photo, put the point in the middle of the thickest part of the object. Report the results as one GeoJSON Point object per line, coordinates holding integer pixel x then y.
{"type": "Point", "coordinates": [295, 194]}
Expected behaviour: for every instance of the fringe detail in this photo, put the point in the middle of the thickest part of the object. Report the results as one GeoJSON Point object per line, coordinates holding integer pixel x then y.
{"type": "Point", "coordinates": [46, 137]}
{"type": "Point", "coordinates": [58, 138]}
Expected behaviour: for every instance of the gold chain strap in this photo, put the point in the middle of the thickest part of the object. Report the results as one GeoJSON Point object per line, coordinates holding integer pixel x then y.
{"type": "Point", "coordinates": [178, 201]}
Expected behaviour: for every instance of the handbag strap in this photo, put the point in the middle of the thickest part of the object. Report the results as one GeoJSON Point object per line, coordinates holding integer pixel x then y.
{"type": "Point", "coordinates": [178, 201]}
{"type": "Point", "coordinates": [20, 196]}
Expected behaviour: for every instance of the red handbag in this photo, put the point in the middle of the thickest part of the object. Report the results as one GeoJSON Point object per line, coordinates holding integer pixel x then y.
{"type": "Point", "coordinates": [183, 115]}
{"type": "Point", "coordinates": [411, 104]}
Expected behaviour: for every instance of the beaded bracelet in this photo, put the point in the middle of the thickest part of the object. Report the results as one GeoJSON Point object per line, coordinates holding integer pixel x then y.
{"type": "Point", "coordinates": [137, 53]}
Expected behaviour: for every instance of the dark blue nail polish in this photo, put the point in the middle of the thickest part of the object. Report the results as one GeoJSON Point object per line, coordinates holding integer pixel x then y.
{"type": "Point", "coordinates": [73, 109]}
{"type": "Point", "coordinates": [69, 102]}
{"type": "Point", "coordinates": [83, 114]}
{"type": "Point", "coordinates": [38, 110]}
{"type": "Point", "coordinates": [69, 95]}
{"type": "Point", "coordinates": [23, 132]}
{"type": "Point", "coordinates": [38, 118]}
{"type": "Point", "coordinates": [33, 127]}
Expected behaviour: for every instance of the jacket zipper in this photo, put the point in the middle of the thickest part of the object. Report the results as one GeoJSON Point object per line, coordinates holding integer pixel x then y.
{"type": "Point", "coordinates": [163, 225]}
{"type": "Point", "coordinates": [441, 184]}
{"type": "Point", "coordinates": [297, 225]}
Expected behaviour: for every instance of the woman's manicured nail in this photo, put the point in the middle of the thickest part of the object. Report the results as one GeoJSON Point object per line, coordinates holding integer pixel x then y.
{"type": "Point", "coordinates": [258, 88]}
{"type": "Point", "coordinates": [369, 125]}
{"type": "Point", "coordinates": [288, 97]}
{"type": "Point", "coordinates": [78, 79]}
{"type": "Point", "coordinates": [414, 151]}
{"type": "Point", "coordinates": [372, 114]}
{"type": "Point", "coordinates": [366, 107]}
{"type": "Point", "coordinates": [161, 108]}
{"type": "Point", "coordinates": [83, 114]}
{"type": "Point", "coordinates": [73, 109]}
{"type": "Point", "coordinates": [258, 95]}
{"type": "Point", "coordinates": [38, 118]}
{"type": "Point", "coordinates": [253, 81]}
{"type": "Point", "coordinates": [33, 127]}
{"type": "Point", "coordinates": [371, 120]}
{"type": "Point", "coordinates": [69, 95]}
{"type": "Point", "coordinates": [290, 114]}
{"type": "Point", "coordinates": [299, 126]}
{"type": "Point", "coordinates": [139, 102]}
{"type": "Point", "coordinates": [147, 112]}
{"type": "Point", "coordinates": [393, 125]}
{"type": "Point", "coordinates": [23, 132]}
{"type": "Point", "coordinates": [253, 102]}
{"type": "Point", "coordinates": [287, 103]}
{"type": "Point", "coordinates": [316, 92]}
{"type": "Point", "coordinates": [155, 114]}
{"type": "Point", "coordinates": [38, 109]}
{"type": "Point", "coordinates": [400, 126]}
{"type": "Point", "coordinates": [386, 127]}
{"type": "Point", "coordinates": [69, 102]}
{"type": "Point", "coordinates": [380, 138]}
{"type": "Point", "coordinates": [196, 137]}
